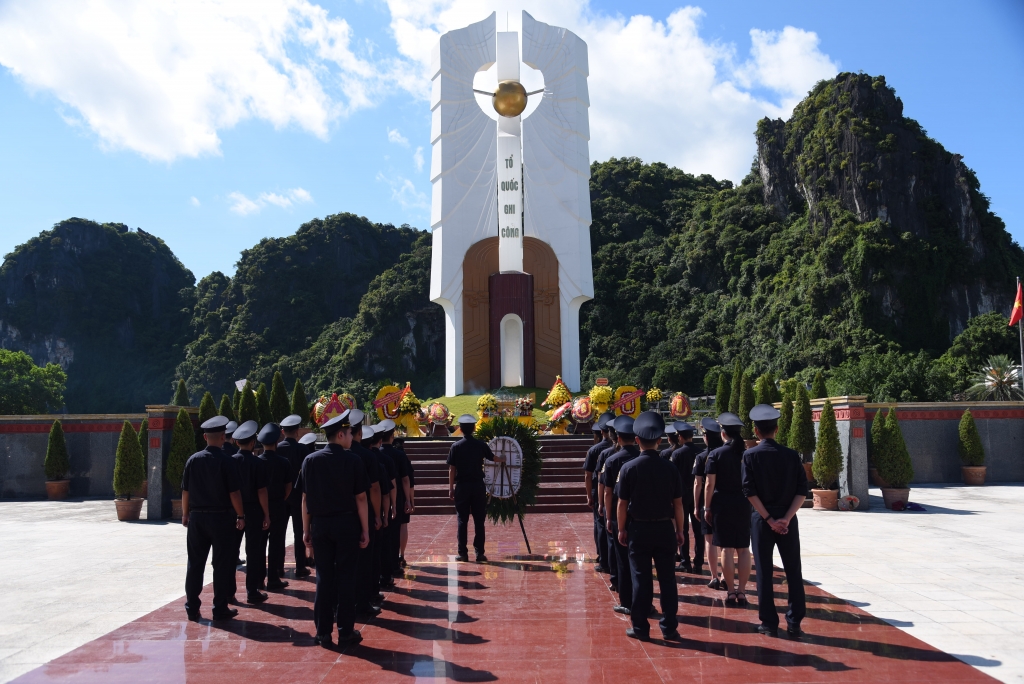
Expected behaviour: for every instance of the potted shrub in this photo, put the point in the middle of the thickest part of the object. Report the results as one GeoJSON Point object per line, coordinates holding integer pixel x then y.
{"type": "Point", "coordinates": [877, 444]}
{"type": "Point", "coordinates": [894, 464]}
{"type": "Point", "coordinates": [129, 473]}
{"type": "Point", "coordinates": [828, 461]}
{"type": "Point", "coordinates": [183, 443]}
{"type": "Point", "coordinates": [801, 433]}
{"type": "Point", "coordinates": [144, 448]}
{"type": "Point", "coordinates": [972, 452]}
{"type": "Point", "coordinates": [57, 465]}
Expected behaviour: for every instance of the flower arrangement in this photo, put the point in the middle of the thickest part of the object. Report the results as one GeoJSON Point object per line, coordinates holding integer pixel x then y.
{"type": "Point", "coordinates": [524, 406]}
{"type": "Point", "coordinates": [680, 406]}
{"type": "Point", "coordinates": [438, 413]}
{"type": "Point", "coordinates": [654, 395]}
{"type": "Point", "coordinates": [347, 400]}
{"type": "Point", "coordinates": [601, 394]}
{"type": "Point", "coordinates": [409, 405]}
{"type": "Point", "coordinates": [559, 414]}
{"type": "Point", "coordinates": [559, 393]}
{"type": "Point", "coordinates": [582, 410]}
{"type": "Point", "coordinates": [487, 405]}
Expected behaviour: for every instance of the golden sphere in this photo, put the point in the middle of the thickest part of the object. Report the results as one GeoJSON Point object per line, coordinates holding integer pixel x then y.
{"type": "Point", "coordinates": [509, 99]}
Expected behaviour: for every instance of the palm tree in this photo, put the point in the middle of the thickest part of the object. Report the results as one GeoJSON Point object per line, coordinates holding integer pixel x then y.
{"type": "Point", "coordinates": [999, 380]}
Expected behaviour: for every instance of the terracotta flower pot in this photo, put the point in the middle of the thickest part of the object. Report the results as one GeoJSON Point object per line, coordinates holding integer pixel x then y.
{"type": "Point", "coordinates": [175, 509]}
{"type": "Point", "coordinates": [57, 490]}
{"type": "Point", "coordinates": [973, 475]}
{"type": "Point", "coordinates": [826, 499]}
{"type": "Point", "coordinates": [876, 479]}
{"type": "Point", "coordinates": [128, 509]}
{"type": "Point", "coordinates": [891, 495]}
{"type": "Point", "coordinates": [749, 443]}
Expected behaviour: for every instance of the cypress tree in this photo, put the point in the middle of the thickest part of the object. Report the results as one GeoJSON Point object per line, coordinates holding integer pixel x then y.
{"type": "Point", "coordinates": [877, 444]}
{"type": "Point", "coordinates": [972, 451]}
{"type": "Point", "coordinates": [247, 409]}
{"type": "Point", "coordinates": [737, 387]}
{"type": "Point", "coordinates": [764, 390]}
{"type": "Point", "coordinates": [263, 404]}
{"type": "Point", "coordinates": [746, 403]}
{"type": "Point", "coordinates": [207, 410]}
{"type": "Point", "coordinates": [722, 393]}
{"type": "Point", "coordinates": [279, 406]}
{"type": "Point", "coordinates": [226, 409]}
{"type": "Point", "coordinates": [181, 395]}
{"type": "Point", "coordinates": [776, 394]}
{"type": "Point", "coordinates": [236, 401]}
{"type": "Point", "coordinates": [786, 419]}
{"type": "Point", "coordinates": [144, 444]}
{"type": "Point", "coordinates": [56, 462]}
{"type": "Point", "coordinates": [129, 471]}
{"type": "Point", "coordinates": [894, 464]}
{"type": "Point", "coordinates": [300, 405]}
{"type": "Point", "coordinates": [183, 441]}
{"type": "Point", "coordinates": [828, 456]}
{"type": "Point", "coordinates": [801, 434]}
{"type": "Point", "coordinates": [818, 390]}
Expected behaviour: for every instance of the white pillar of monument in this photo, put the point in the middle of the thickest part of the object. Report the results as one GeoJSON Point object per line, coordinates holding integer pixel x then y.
{"type": "Point", "coordinates": [510, 164]}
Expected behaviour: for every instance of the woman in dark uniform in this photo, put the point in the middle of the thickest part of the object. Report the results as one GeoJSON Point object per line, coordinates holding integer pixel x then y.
{"type": "Point", "coordinates": [713, 440]}
{"type": "Point", "coordinates": [727, 508]}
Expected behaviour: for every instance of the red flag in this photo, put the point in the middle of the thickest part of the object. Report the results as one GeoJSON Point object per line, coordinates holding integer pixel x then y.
{"type": "Point", "coordinates": [1018, 307]}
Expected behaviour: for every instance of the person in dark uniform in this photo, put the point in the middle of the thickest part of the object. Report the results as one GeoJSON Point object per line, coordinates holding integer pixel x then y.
{"type": "Point", "coordinates": [650, 513]}
{"type": "Point", "coordinates": [670, 436]}
{"type": "Point", "coordinates": [683, 458]}
{"type": "Point", "coordinates": [606, 541]}
{"type": "Point", "coordinates": [466, 460]}
{"type": "Point", "coordinates": [601, 442]}
{"type": "Point", "coordinates": [727, 509]}
{"type": "Point", "coordinates": [211, 510]}
{"type": "Point", "coordinates": [335, 523]}
{"type": "Point", "coordinates": [307, 441]}
{"type": "Point", "coordinates": [252, 475]}
{"type": "Point", "coordinates": [279, 486]}
{"type": "Point", "coordinates": [382, 571]}
{"type": "Point", "coordinates": [775, 484]}
{"type": "Point", "coordinates": [389, 549]}
{"type": "Point", "coordinates": [294, 452]}
{"type": "Point", "coordinates": [628, 450]}
{"type": "Point", "coordinates": [230, 449]}
{"type": "Point", "coordinates": [367, 577]}
{"type": "Point", "coordinates": [712, 440]}
{"type": "Point", "coordinates": [384, 433]}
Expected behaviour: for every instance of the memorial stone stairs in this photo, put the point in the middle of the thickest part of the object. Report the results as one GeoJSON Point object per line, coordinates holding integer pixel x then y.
{"type": "Point", "coordinates": [561, 478]}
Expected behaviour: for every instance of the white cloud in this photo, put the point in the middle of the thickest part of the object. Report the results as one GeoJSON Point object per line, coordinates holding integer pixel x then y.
{"type": "Point", "coordinates": [417, 159]}
{"type": "Point", "coordinates": [404, 192]}
{"type": "Point", "coordinates": [194, 201]}
{"type": "Point", "coordinates": [243, 206]}
{"type": "Point", "coordinates": [162, 79]}
{"type": "Point", "coordinates": [397, 138]}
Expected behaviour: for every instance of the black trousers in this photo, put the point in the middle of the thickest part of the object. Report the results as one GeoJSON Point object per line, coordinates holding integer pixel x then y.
{"type": "Point", "coordinates": [471, 499]}
{"type": "Point", "coordinates": [384, 558]}
{"type": "Point", "coordinates": [396, 544]}
{"type": "Point", "coordinates": [295, 515]}
{"type": "Point", "coordinates": [764, 539]}
{"type": "Point", "coordinates": [366, 580]}
{"type": "Point", "coordinates": [690, 522]}
{"type": "Point", "coordinates": [622, 566]}
{"type": "Point", "coordinates": [206, 531]}
{"type": "Point", "coordinates": [609, 555]}
{"type": "Point", "coordinates": [276, 535]}
{"type": "Point", "coordinates": [652, 541]}
{"type": "Point", "coordinates": [377, 540]}
{"type": "Point", "coordinates": [255, 549]}
{"type": "Point", "coordinates": [335, 546]}
{"type": "Point", "coordinates": [599, 534]}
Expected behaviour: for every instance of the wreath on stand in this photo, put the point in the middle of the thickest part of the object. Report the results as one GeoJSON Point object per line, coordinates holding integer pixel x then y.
{"type": "Point", "coordinates": [503, 510]}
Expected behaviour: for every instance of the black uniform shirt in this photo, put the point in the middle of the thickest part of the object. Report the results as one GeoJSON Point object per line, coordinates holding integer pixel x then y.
{"type": "Point", "coordinates": [278, 474]}
{"type": "Point", "coordinates": [293, 453]}
{"type": "Point", "coordinates": [385, 466]}
{"type": "Point", "coordinates": [667, 453]}
{"type": "Point", "coordinates": [610, 473]}
{"type": "Point", "coordinates": [726, 464]}
{"type": "Point", "coordinates": [590, 463]}
{"type": "Point", "coordinates": [408, 462]}
{"type": "Point", "coordinates": [650, 484]}
{"type": "Point", "coordinates": [468, 456]}
{"type": "Point", "coordinates": [331, 479]}
{"type": "Point", "coordinates": [699, 465]}
{"type": "Point", "coordinates": [601, 458]}
{"type": "Point", "coordinates": [684, 458]}
{"type": "Point", "coordinates": [229, 449]}
{"type": "Point", "coordinates": [775, 474]}
{"type": "Point", "coordinates": [400, 471]}
{"type": "Point", "coordinates": [209, 478]}
{"type": "Point", "coordinates": [402, 464]}
{"type": "Point", "coordinates": [252, 475]}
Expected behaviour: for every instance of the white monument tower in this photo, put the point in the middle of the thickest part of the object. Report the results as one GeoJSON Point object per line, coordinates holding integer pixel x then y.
{"type": "Point", "coordinates": [510, 211]}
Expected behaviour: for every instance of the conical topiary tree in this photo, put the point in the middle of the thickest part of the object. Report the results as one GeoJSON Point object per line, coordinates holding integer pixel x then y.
{"type": "Point", "coordinates": [247, 409]}
{"type": "Point", "coordinates": [183, 441]}
{"type": "Point", "coordinates": [786, 419]}
{"type": "Point", "coordinates": [893, 463]}
{"type": "Point", "coordinates": [762, 393]}
{"type": "Point", "coordinates": [300, 405]}
{"type": "Point", "coordinates": [972, 452]}
{"type": "Point", "coordinates": [818, 390]}
{"type": "Point", "coordinates": [877, 437]}
{"type": "Point", "coordinates": [129, 471]}
{"type": "Point", "coordinates": [722, 392]}
{"type": "Point", "coordinates": [263, 404]}
{"type": "Point", "coordinates": [828, 455]}
{"type": "Point", "coordinates": [144, 444]}
{"type": "Point", "coordinates": [226, 409]}
{"type": "Point", "coordinates": [279, 406]}
{"type": "Point", "coordinates": [775, 395]}
{"type": "Point", "coordinates": [737, 387]}
{"type": "Point", "coordinates": [746, 403]}
{"type": "Point", "coordinates": [207, 410]}
{"type": "Point", "coordinates": [181, 395]}
{"type": "Point", "coordinates": [56, 462]}
{"type": "Point", "coordinates": [236, 400]}
{"type": "Point", "coordinates": [801, 434]}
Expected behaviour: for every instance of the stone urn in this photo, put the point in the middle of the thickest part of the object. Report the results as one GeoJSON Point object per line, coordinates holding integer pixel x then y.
{"type": "Point", "coordinates": [973, 475]}
{"type": "Point", "coordinates": [57, 490]}
{"type": "Point", "coordinates": [175, 509]}
{"type": "Point", "coordinates": [891, 495]}
{"type": "Point", "coordinates": [826, 499]}
{"type": "Point", "coordinates": [129, 509]}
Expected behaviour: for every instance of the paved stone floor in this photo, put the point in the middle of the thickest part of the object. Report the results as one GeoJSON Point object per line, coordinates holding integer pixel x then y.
{"type": "Point", "coordinates": [107, 595]}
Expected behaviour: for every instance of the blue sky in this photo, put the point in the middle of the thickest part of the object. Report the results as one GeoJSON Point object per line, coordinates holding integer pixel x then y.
{"type": "Point", "coordinates": [259, 133]}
